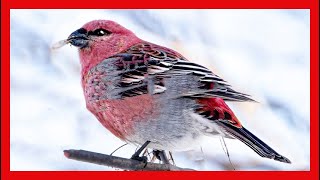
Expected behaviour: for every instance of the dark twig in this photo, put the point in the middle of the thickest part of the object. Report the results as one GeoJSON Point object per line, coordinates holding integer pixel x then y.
{"type": "Point", "coordinates": [118, 148]}
{"type": "Point", "coordinates": [118, 162]}
{"type": "Point", "coordinates": [171, 158]}
{"type": "Point", "coordinates": [225, 149]}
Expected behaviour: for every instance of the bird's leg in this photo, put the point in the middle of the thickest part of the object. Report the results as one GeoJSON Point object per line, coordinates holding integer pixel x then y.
{"type": "Point", "coordinates": [161, 155]}
{"type": "Point", "coordinates": [164, 157]}
{"type": "Point", "coordinates": [136, 155]}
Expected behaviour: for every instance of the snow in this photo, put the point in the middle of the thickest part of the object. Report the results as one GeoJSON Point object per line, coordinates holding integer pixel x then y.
{"type": "Point", "coordinates": [264, 53]}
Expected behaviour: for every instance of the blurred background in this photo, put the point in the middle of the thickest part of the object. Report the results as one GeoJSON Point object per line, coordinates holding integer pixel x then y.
{"type": "Point", "coordinates": [264, 53]}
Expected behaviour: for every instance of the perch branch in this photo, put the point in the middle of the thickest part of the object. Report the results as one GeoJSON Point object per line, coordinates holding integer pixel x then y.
{"type": "Point", "coordinates": [118, 162]}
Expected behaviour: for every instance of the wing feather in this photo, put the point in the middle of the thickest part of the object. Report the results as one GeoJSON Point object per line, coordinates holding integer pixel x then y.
{"type": "Point", "coordinates": [146, 61]}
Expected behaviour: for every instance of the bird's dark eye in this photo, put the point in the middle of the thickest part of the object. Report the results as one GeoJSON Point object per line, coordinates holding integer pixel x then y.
{"type": "Point", "coordinates": [100, 32]}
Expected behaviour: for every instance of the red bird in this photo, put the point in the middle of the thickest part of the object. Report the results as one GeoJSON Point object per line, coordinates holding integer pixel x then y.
{"type": "Point", "coordinates": [148, 94]}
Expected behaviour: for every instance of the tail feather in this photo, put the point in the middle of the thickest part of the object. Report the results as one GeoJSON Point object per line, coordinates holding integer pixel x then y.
{"type": "Point", "coordinates": [253, 142]}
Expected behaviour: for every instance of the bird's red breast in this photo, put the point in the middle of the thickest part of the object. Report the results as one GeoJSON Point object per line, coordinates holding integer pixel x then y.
{"type": "Point", "coordinates": [119, 116]}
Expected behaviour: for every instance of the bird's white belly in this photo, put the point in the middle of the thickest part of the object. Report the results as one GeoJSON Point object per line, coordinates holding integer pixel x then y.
{"type": "Point", "coordinates": [175, 135]}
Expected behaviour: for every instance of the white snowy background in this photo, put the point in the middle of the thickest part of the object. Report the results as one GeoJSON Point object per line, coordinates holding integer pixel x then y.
{"type": "Point", "coordinates": [264, 53]}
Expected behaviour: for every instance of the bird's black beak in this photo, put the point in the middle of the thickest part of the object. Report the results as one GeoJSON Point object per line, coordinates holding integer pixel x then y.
{"type": "Point", "coordinates": [79, 38]}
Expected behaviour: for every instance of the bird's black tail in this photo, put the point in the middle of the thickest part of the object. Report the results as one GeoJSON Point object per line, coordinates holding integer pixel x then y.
{"type": "Point", "coordinates": [253, 142]}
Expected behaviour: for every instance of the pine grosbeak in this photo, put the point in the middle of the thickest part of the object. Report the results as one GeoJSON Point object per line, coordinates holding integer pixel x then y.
{"type": "Point", "coordinates": [143, 92]}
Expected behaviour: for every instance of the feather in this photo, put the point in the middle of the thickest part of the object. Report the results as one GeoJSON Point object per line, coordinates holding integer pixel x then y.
{"type": "Point", "coordinates": [146, 61]}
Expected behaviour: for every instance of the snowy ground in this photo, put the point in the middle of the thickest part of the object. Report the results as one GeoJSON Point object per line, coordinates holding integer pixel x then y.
{"type": "Point", "coordinates": [264, 53]}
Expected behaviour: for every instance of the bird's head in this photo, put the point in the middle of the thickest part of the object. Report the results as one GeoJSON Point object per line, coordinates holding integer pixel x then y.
{"type": "Point", "coordinates": [100, 39]}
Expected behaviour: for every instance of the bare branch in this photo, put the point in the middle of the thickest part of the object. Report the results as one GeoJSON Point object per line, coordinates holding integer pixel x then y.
{"type": "Point", "coordinates": [118, 162]}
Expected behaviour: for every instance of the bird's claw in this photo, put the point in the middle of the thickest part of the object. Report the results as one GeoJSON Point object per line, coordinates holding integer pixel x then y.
{"type": "Point", "coordinates": [156, 153]}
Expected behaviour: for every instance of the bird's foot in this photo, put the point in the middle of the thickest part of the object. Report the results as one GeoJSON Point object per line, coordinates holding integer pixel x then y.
{"type": "Point", "coordinates": [156, 153]}
{"type": "Point", "coordinates": [143, 159]}
{"type": "Point", "coordinates": [161, 156]}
